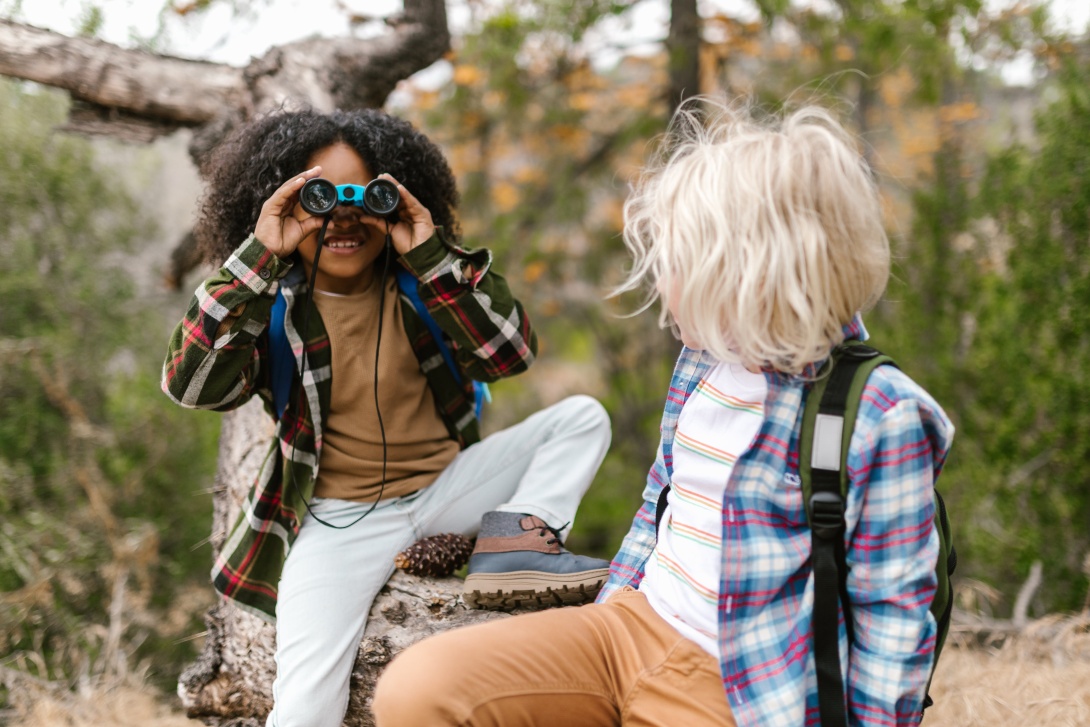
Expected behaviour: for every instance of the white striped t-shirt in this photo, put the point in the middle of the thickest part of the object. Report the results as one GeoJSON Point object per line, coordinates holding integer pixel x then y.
{"type": "Point", "coordinates": [716, 425]}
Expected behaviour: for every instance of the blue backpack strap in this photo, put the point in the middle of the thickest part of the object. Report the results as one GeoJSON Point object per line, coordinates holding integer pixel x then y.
{"type": "Point", "coordinates": [407, 282]}
{"type": "Point", "coordinates": [481, 394]}
{"type": "Point", "coordinates": [281, 358]}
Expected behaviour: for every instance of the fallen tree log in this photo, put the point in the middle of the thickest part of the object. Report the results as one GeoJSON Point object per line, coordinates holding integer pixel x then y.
{"type": "Point", "coordinates": [231, 682]}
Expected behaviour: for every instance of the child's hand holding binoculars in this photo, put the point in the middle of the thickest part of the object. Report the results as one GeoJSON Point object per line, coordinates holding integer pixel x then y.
{"type": "Point", "coordinates": [277, 228]}
{"type": "Point", "coordinates": [298, 208]}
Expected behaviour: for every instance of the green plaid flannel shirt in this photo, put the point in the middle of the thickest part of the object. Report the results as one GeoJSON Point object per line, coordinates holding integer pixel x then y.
{"type": "Point", "coordinates": [219, 357]}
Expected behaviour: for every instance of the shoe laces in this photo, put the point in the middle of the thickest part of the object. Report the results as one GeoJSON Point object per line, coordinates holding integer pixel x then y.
{"type": "Point", "coordinates": [555, 531]}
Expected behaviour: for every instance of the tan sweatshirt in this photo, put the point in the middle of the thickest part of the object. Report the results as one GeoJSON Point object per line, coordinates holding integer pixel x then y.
{"type": "Point", "coordinates": [418, 446]}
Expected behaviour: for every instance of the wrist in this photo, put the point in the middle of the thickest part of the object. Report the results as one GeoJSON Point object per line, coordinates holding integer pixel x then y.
{"type": "Point", "coordinates": [256, 265]}
{"type": "Point", "coordinates": [420, 236]}
{"type": "Point", "coordinates": [280, 252]}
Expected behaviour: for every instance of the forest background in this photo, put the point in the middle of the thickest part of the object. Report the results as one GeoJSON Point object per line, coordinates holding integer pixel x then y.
{"type": "Point", "coordinates": [975, 116]}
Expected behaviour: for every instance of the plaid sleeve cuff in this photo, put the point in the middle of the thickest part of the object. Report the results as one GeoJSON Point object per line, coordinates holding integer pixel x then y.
{"type": "Point", "coordinates": [255, 266]}
{"type": "Point", "coordinates": [437, 256]}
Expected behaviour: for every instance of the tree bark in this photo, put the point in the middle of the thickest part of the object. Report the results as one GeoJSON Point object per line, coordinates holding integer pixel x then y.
{"type": "Point", "coordinates": [145, 85]}
{"type": "Point", "coordinates": [231, 681]}
{"type": "Point", "coordinates": [137, 96]}
{"type": "Point", "coordinates": [683, 49]}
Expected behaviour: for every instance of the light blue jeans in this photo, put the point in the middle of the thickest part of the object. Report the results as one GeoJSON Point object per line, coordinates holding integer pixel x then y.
{"type": "Point", "coordinates": [542, 466]}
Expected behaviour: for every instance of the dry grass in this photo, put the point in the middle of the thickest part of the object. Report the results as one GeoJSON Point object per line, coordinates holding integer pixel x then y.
{"type": "Point", "coordinates": [974, 687]}
{"type": "Point", "coordinates": [1040, 677]}
{"type": "Point", "coordinates": [122, 706]}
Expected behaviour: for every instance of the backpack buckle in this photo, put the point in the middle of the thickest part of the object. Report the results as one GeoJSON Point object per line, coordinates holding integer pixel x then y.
{"type": "Point", "coordinates": [859, 351]}
{"type": "Point", "coordinates": [826, 514]}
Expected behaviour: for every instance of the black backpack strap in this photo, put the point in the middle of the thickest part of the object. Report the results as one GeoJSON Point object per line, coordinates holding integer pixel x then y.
{"type": "Point", "coordinates": [660, 507]}
{"type": "Point", "coordinates": [944, 575]}
{"type": "Point", "coordinates": [828, 420]}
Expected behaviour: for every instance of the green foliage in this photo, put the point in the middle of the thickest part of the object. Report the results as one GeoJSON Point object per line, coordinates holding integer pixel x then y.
{"type": "Point", "coordinates": [940, 43]}
{"type": "Point", "coordinates": [992, 317]}
{"type": "Point", "coordinates": [99, 473]}
{"type": "Point", "coordinates": [11, 8]}
{"type": "Point", "coordinates": [544, 144]}
{"type": "Point", "coordinates": [537, 138]}
{"type": "Point", "coordinates": [90, 23]}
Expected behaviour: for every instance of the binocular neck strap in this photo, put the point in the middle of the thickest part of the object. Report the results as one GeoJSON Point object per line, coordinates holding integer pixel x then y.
{"type": "Point", "coordinates": [314, 274]}
{"type": "Point", "coordinates": [378, 346]}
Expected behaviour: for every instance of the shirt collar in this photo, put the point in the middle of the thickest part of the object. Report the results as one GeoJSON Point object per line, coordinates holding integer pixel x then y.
{"type": "Point", "coordinates": [854, 330]}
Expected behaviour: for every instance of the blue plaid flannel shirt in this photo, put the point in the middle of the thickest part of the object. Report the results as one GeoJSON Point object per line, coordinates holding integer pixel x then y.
{"type": "Point", "coordinates": [766, 590]}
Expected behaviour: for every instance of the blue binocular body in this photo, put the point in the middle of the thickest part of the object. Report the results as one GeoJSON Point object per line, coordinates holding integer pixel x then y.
{"type": "Point", "coordinates": [379, 197]}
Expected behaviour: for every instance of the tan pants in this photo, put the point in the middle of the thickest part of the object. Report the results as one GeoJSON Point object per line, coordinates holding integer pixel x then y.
{"type": "Point", "coordinates": [616, 663]}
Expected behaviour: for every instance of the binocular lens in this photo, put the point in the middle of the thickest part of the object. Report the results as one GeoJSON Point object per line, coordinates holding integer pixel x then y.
{"type": "Point", "coordinates": [319, 196]}
{"type": "Point", "coordinates": [381, 197]}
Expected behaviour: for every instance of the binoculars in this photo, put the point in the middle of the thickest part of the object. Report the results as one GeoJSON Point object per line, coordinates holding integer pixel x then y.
{"type": "Point", "coordinates": [379, 197]}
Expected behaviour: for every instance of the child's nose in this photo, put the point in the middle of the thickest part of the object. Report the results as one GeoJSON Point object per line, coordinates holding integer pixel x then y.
{"type": "Point", "coordinates": [345, 214]}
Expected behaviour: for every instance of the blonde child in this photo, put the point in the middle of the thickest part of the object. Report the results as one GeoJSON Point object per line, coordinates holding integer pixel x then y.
{"type": "Point", "coordinates": [764, 240]}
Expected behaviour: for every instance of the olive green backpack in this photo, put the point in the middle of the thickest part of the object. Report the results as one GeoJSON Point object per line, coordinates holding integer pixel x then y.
{"type": "Point", "coordinates": [828, 422]}
{"type": "Point", "coordinates": [827, 425]}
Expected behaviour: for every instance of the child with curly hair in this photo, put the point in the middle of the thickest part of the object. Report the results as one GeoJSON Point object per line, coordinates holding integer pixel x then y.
{"type": "Point", "coordinates": [378, 444]}
{"type": "Point", "coordinates": [764, 239]}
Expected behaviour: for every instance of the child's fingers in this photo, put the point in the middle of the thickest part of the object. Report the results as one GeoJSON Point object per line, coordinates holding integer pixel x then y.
{"type": "Point", "coordinates": [409, 203]}
{"type": "Point", "coordinates": [414, 221]}
{"type": "Point", "coordinates": [285, 195]}
{"type": "Point", "coordinates": [294, 231]}
{"type": "Point", "coordinates": [412, 212]}
{"type": "Point", "coordinates": [309, 225]}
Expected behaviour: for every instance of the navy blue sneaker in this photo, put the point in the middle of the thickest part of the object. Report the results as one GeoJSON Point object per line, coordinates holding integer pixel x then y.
{"type": "Point", "coordinates": [519, 562]}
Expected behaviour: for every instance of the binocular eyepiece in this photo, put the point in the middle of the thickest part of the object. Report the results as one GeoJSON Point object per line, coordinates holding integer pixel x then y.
{"type": "Point", "coordinates": [379, 197]}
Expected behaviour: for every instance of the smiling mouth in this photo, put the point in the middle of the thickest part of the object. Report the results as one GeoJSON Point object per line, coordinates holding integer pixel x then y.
{"type": "Point", "coordinates": [343, 243]}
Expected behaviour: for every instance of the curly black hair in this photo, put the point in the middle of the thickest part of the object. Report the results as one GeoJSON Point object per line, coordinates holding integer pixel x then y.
{"type": "Point", "coordinates": [245, 170]}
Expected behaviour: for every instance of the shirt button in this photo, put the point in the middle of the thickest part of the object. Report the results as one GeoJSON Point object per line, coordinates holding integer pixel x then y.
{"type": "Point", "coordinates": [265, 273]}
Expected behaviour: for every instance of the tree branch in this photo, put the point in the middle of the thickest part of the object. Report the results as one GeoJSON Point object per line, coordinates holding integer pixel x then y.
{"type": "Point", "coordinates": [137, 95]}
{"type": "Point", "coordinates": [146, 85]}
{"type": "Point", "coordinates": [683, 47]}
{"type": "Point", "coordinates": [420, 37]}
{"type": "Point", "coordinates": [1025, 595]}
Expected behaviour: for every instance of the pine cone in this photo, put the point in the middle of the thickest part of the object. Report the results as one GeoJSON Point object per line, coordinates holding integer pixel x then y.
{"type": "Point", "coordinates": [437, 557]}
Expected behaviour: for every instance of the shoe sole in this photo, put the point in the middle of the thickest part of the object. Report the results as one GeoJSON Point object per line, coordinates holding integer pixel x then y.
{"type": "Point", "coordinates": [532, 590]}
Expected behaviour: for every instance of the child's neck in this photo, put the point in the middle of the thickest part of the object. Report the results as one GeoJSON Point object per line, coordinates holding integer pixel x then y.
{"type": "Point", "coordinates": [342, 286]}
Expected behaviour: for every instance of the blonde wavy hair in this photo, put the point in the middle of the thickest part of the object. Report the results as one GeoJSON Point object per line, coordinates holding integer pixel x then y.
{"type": "Point", "coordinates": [764, 235]}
